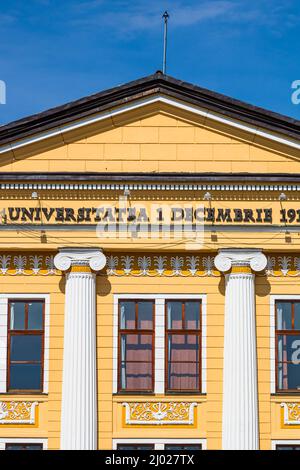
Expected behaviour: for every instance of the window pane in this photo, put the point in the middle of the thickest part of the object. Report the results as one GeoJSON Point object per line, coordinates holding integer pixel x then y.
{"type": "Point", "coordinates": [127, 313]}
{"type": "Point", "coordinates": [174, 312]}
{"type": "Point", "coordinates": [183, 348]}
{"type": "Point", "coordinates": [291, 447]}
{"type": "Point", "coordinates": [183, 447]}
{"type": "Point", "coordinates": [17, 315]}
{"type": "Point", "coordinates": [145, 315]}
{"type": "Point", "coordinates": [136, 348]}
{"type": "Point", "coordinates": [289, 348]}
{"type": "Point", "coordinates": [183, 376]}
{"type": "Point", "coordinates": [35, 315]}
{"type": "Point", "coordinates": [284, 315]}
{"type": "Point", "coordinates": [25, 377]}
{"type": "Point", "coordinates": [136, 375]}
{"type": "Point", "coordinates": [23, 447]}
{"type": "Point", "coordinates": [25, 347]}
{"type": "Point", "coordinates": [135, 446]}
{"type": "Point", "coordinates": [297, 316]}
{"type": "Point", "coordinates": [192, 315]}
{"type": "Point", "coordinates": [288, 376]}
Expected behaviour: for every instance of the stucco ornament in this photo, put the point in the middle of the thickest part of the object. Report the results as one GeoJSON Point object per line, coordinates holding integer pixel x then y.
{"type": "Point", "coordinates": [160, 412]}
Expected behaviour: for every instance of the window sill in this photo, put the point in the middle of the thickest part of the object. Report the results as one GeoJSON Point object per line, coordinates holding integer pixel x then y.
{"type": "Point", "coordinates": [25, 394]}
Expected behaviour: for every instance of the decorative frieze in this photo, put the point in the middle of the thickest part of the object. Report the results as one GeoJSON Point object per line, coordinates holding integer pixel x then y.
{"type": "Point", "coordinates": [283, 266]}
{"type": "Point", "coordinates": [159, 413]}
{"type": "Point", "coordinates": [138, 265]}
{"type": "Point", "coordinates": [291, 413]}
{"type": "Point", "coordinates": [156, 266]}
{"type": "Point", "coordinates": [17, 412]}
{"type": "Point", "coordinates": [27, 265]}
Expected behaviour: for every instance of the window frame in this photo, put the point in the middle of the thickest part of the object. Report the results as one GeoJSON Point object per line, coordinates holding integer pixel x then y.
{"type": "Point", "coordinates": [25, 440]}
{"type": "Point", "coordinates": [273, 378]}
{"type": "Point", "coordinates": [291, 332]}
{"type": "Point", "coordinates": [159, 444]}
{"type": "Point", "coordinates": [285, 442]}
{"type": "Point", "coordinates": [136, 331]}
{"type": "Point", "coordinates": [182, 332]}
{"type": "Point", "coordinates": [28, 444]}
{"type": "Point", "coordinates": [25, 332]}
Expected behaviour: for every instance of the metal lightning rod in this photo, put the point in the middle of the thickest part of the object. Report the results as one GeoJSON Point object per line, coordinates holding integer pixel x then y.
{"type": "Point", "coordinates": [165, 16]}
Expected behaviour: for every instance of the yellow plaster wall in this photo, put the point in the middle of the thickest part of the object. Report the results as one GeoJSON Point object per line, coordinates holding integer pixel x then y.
{"type": "Point", "coordinates": [209, 410]}
{"type": "Point", "coordinates": [154, 140]}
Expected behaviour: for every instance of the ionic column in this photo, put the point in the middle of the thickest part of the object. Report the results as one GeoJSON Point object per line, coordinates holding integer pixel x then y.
{"type": "Point", "coordinates": [240, 398]}
{"type": "Point", "coordinates": [79, 387]}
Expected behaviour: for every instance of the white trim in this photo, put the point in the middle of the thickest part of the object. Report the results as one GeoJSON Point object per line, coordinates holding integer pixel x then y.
{"type": "Point", "coordinates": [284, 442]}
{"type": "Point", "coordinates": [273, 299]}
{"type": "Point", "coordinates": [159, 444]}
{"type": "Point", "coordinates": [60, 130]}
{"type": "Point", "coordinates": [25, 440]}
{"type": "Point", "coordinates": [3, 335]}
{"type": "Point", "coordinates": [159, 374]}
{"type": "Point", "coordinates": [148, 187]}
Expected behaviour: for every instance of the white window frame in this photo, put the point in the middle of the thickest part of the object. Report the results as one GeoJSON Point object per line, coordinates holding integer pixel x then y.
{"type": "Point", "coordinates": [25, 440]}
{"type": "Point", "coordinates": [160, 299]}
{"type": "Point", "coordinates": [285, 442]}
{"type": "Point", "coordinates": [4, 298]}
{"type": "Point", "coordinates": [273, 299]}
{"type": "Point", "coordinates": [159, 444]}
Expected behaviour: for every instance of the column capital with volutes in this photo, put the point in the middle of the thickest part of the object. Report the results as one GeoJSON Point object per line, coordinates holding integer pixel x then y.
{"type": "Point", "coordinates": [230, 258]}
{"type": "Point", "coordinates": [92, 258]}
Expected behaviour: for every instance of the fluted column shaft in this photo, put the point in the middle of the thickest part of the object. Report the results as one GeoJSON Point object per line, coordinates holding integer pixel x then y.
{"type": "Point", "coordinates": [79, 387]}
{"type": "Point", "coordinates": [240, 426]}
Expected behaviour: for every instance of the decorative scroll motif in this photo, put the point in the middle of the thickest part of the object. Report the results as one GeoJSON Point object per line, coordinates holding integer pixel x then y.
{"type": "Point", "coordinates": [156, 266]}
{"type": "Point", "coordinates": [17, 412]}
{"type": "Point", "coordinates": [28, 265]}
{"type": "Point", "coordinates": [291, 413]}
{"type": "Point", "coordinates": [160, 413]}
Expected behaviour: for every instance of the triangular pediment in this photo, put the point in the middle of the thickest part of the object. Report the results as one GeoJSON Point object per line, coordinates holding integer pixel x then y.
{"type": "Point", "coordinates": [154, 125]}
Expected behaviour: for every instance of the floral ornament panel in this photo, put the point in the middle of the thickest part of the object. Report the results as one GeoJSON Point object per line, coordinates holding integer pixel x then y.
{"type": "Point", "coordinates": [162, 265]}
{"type": "Point", "coordinates": [17, 412]}
{"type": "Point", "coordinates": [291, 413]}
{"type": "Point", "coordinates": [159, 413]}
{"type": "Point", "coordinates": [283, 265]}
{"type": "Point", "coordinates": [27, 265]}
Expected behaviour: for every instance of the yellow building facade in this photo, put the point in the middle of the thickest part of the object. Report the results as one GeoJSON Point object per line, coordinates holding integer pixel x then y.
{"type": "Point", "coordinates": [150, 267]}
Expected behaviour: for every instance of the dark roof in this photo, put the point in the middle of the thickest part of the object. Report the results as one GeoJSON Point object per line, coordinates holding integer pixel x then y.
{"type": "Point", "coordinates": [153, 84]}
{"type": "Point", "coordinates": [162, 178]}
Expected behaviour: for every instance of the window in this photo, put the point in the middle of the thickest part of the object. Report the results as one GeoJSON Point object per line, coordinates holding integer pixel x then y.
{"type": "Point", "coordinates": [25, 349]}
{"type": "Point", "coordinates": [135, 446]}
{"type": "Point", "coordinates": [183, 345]}
{"type": "Point", "coordinates": [136, 345]}
{"type": "Point", "coordinates": [160, 444]}
{"type": "Point", "coordinates": [288, 447]}
{"type": "Point", "coordinates": [288, 345]}
{"type": "Point", "coordinates": [183, 446]}
{"type": "Point", "coordinates": [23, 446]}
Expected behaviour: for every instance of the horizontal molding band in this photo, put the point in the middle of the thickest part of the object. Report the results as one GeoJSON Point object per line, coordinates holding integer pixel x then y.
{"type": "Point", "coordinates": [146, 182]}
{"type": "Point", "coordinates": [144, 228]}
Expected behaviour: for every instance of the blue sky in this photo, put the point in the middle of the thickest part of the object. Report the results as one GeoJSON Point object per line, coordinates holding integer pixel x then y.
{"type": "Point", "coordinates": [54, 51]}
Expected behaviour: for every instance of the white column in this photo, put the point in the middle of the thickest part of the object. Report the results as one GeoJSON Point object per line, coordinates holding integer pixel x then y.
{"type": "Point", "coordinates": [79, 387]}
{"type": "Point", "coordinates": [240, 428]}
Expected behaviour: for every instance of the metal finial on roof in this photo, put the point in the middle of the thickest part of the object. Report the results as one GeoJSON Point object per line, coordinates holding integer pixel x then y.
{"type": "Point", "coordinates": [165, 16]}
